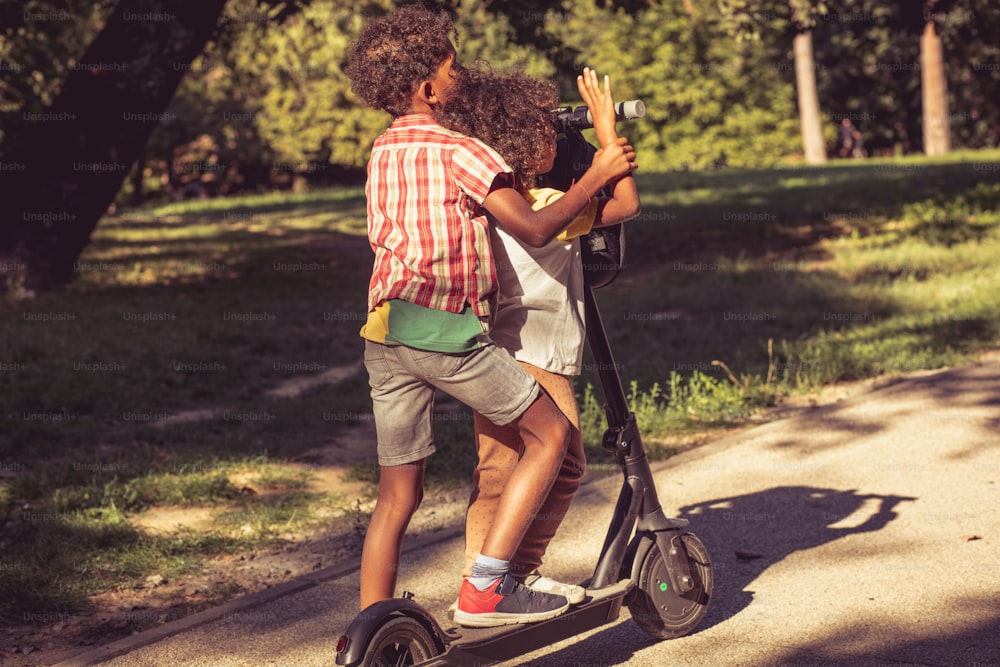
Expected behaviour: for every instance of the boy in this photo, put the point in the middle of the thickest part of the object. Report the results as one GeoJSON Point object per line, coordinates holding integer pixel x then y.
{"type": "Point", "coordinates": [429, 298]}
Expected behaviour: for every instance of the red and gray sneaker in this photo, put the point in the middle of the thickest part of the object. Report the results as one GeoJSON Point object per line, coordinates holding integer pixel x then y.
{"type": "Point", "coordinates": [507, 602]}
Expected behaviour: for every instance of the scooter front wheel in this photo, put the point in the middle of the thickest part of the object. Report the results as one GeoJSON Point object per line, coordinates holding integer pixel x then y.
{"type": "Point", "coordinates": [660, 610]}
{"type": "Point", "coordinates": [400, 641]}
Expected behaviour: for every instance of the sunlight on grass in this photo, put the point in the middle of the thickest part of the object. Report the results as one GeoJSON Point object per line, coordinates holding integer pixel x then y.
{"type": "Point", "coordinates": [260, 201]}
{"type": "Point", "coordinates": [900, 274]}
{"type": "Point", "coordinates": [254, 502]}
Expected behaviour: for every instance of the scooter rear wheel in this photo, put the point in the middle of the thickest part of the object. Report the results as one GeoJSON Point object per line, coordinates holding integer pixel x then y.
{"type": "Point", "coordinates": [400, 641]}
{"type": "Point", "coordinates": [663, 612]}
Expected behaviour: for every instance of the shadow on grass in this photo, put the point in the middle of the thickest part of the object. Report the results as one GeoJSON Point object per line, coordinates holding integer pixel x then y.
{"type": "Point", "coordinates": [680, 316]}
{"type": "Point", "coordinates": [237, 207]}
{"type": "Point", "coordinates": [696, 288]}
{"type": "Point", "coordinates": [718, 264]}
{"type": "Point", "coordinates": [46, 580]}
{"type": "Point", "coordinates": [238, 249]}
{"type": "Point", "coordinates": [54, 561]}
{"type": "Point", "coordinates": [760, 214]}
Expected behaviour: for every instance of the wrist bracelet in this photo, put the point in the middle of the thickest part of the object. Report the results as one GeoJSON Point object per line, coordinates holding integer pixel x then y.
{"type": "Point", "coordinates": [585, 191]}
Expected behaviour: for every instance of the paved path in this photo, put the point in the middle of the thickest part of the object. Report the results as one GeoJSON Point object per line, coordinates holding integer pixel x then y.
{"type": "Point", "coordinates": [861, 533]}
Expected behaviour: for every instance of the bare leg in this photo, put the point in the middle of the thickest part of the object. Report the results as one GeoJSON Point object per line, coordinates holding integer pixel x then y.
{"type": "Point", "coordinates": [400, 490]}
{"type": "Point", "coordinates": [550, 515]}
{"type": "Point", "coordinates": [544, 430]}
{"type": "Point", "coordinates": [499, 449]}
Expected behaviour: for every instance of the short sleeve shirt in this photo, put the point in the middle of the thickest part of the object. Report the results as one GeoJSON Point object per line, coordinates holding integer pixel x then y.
{"type": "Point", "coordinates": [426, 223]}
{"type": "Point", "coordinates": [540, 314]}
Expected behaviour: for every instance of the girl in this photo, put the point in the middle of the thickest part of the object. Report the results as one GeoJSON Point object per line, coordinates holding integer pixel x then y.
{"type": "Point", "coordinates": [539, 316]}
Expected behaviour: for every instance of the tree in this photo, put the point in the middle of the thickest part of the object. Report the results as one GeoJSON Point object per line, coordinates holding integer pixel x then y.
{"type": "Point", "coordinates": [869, 69]}
{"type": "Point", "coordinates": [805, 77]}
{"type": "Point", "coordinates": [770, 21]}
{"type": "Point", "coordinates": [308, 114]}
{"type": "Point", "coordinates": [715, 96]}
{"type": "Point", "coordinates": [270, 99]}
{"type": "Point", "coordinates": [74, 156]}
{"type": "Point", "coordinates": [934, 86]}
{"type": "Point", "coordinates": [211, 132]}
{"type": "Point", "coordinates": [40, 41]}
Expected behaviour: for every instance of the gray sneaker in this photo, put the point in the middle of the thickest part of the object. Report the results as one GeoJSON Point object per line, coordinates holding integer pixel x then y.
{"type": "Point", "coordinates": [574, 594]}
{"type": "Point", "coordinates": [506, 602]}
{"type": "Point", "coordinates": [542, 584]}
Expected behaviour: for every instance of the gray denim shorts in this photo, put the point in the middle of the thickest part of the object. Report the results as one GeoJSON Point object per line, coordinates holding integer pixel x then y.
{"type": "Point", "coordinates": [403, 381]}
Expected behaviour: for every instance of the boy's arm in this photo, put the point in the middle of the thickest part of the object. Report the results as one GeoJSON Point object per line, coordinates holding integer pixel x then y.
{"type": "Point", "coordinates": [538, 228]}
{"type": "Point", "coordinates": [624, 202]}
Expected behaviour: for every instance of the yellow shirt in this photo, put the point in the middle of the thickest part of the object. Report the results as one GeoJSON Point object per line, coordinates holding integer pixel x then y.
{"type": "Point", "coordinates": [582, 224]}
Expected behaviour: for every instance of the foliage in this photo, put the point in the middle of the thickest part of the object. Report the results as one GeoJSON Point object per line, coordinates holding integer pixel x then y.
{"type": "Point", "coordinates": [306, 110]}
{"type": "Point", "coordinates": [210, 134]}
{"type": "Point", "coordinates": [868, 69]}
{"type": "Point", "coordinates": [41, 41]}
{"type": "Point", "coordinates": [687, 404]}
{"type": "Point", "coordinates": [269, 103]}
{"type": "Point", "coordinates": [711, 101]}
{"type": "Point", "coordinates": [950, 220]}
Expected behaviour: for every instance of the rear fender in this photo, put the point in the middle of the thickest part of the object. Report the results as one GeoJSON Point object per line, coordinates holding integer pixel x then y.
{"type": "Point", "coordinates": [367, 623]}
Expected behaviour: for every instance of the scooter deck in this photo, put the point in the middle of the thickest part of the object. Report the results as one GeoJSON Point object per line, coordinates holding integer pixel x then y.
{"type": "Point", "coordinates": [485, 646]}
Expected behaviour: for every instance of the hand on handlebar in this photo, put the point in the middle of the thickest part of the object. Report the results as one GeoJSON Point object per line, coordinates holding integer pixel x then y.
{"type": "Point", "coordinates": [615, 160]}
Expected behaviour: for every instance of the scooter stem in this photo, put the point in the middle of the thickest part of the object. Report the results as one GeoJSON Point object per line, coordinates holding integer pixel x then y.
{"type": "Point", "coordinates": [615, 404]}
{"type": "Point", "coordinates": [637, 501]}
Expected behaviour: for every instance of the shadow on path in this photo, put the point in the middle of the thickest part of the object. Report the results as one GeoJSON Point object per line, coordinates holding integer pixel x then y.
{"type": "Point", "coordinates": [747, 534]}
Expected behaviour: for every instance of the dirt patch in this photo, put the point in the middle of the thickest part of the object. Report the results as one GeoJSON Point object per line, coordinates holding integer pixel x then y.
{"type": "Point", "coordinates": [167, 520]}
{"type": "Point", "coordinates": [160, 599]}
{"type": "Point", "coordinates": [296, 385]}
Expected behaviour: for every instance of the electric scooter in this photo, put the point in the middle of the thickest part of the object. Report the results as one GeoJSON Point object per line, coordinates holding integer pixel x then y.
{"type": "Point", "coordinates": [649, 562]}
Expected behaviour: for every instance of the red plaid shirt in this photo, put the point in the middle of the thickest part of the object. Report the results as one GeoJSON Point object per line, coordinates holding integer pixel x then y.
{"type": "Point", "coordinates": [426, 185]}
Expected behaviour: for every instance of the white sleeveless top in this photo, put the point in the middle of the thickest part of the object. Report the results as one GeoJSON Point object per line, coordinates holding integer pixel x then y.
{"type": "Point", "coordinates": [539, 312]}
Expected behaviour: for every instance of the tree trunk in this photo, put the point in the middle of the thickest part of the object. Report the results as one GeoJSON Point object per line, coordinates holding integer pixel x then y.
{"type": "Point", "coordinates": [76, 155]}
{"type": "Point", "coordinates": [805, 81]}
{"type": "Point", "coordinates": [934, 88]}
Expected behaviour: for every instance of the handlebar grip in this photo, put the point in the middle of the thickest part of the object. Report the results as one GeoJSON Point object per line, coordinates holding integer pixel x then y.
{"type": "Point", "coordinates": [628, 110]}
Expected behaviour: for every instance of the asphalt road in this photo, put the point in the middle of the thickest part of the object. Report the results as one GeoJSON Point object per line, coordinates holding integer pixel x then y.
{"type": "Point", "coordinates": [865, 532]}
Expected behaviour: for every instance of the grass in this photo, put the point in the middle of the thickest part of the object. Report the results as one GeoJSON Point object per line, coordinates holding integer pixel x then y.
{"type": "Point", "coordinates": [741, 288]}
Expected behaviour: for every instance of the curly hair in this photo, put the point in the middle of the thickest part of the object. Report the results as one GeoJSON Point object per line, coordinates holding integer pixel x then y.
{"type": "Point", "coordinates": [510, 112]}
{"type": "Point", "coordinates": [394, 53]}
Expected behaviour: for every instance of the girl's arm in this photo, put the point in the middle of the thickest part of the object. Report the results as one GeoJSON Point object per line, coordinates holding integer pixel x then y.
{"type": "Point", "coordinates": [624, 201]}
{"type": "Point", "coordinates": [538, 228]}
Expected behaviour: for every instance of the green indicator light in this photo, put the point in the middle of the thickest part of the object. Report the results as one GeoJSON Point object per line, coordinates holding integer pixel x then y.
{"type": "Point", "coordinates": [663, 587]}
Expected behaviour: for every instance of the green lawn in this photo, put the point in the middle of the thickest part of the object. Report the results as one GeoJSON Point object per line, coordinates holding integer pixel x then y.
{"type": "Point", "coordinates": [740, 287]}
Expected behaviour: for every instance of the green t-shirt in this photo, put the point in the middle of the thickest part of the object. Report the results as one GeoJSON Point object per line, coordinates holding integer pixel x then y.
{"type": "Point", "coordinates": [399, 322]}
